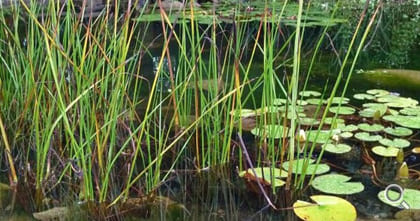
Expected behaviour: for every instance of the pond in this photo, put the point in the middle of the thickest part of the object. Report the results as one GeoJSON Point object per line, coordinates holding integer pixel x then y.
{"type": "Point", "coordinates": [211, 111]}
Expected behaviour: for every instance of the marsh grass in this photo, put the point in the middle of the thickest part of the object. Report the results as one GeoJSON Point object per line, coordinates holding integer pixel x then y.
{"type": "Point", "coordinates": [72, 87]}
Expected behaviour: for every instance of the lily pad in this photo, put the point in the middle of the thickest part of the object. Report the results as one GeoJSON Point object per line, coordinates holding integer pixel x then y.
{"type": "Point", "coordinates": [337, 148]}
{"type": "Point", "coordinates": [398, 131]}
{"type": "Point", "coordinates": [386, 151]}
{"type": "Point", "coordinates": [267, 174]}
{"type": "Point", "coordinates": [377, 92]}
{"type": "Point", "coordinates": [316, 101]}
{"type": "Point", "coordinates": [362, 96]}
{"type": "Point", "coordinates": [404, 121]}
{"type": "Point", "coordinates": [365, 136]}
{"type": "Point", "coordinates": [298, 166]}
{"type": "Point", "coordinates": [342, 110]}
{"type": "Point", "coordinates": [324, 136]}
{"type": "Point", "coordinates": [346, 135]}
{"type": "Point", "coordinates": [411, 111]}
{"type": "Point", "coordinates": [410, 196]}
{"type": "Point", "coordinates": [280, 101]}
{"type": "Point", "coordinates": [329, 120]}
{"type": "Point", "coordinates": [373, 110]}
{"type": "Point", "coordinates": [308, 121]}
{"type": "Point", "coordinates": [309, 93]}
{"type": "Point", "coordinates": [271, 131]}
{"type": "Point", "coordinates": [337, 184]}
{"type": "Point", "coordinates": [370, 128]}
{"type": "Point", "coordinates": [397, 142]}
{"type": "Point", "coordinates": [325, 208]}
{"type": "Point", "coordinates": [348, 128]}
{"type": "Point", "coordinates": [340, 100]}
{"type": "Point", "coordinates": [243, 113]}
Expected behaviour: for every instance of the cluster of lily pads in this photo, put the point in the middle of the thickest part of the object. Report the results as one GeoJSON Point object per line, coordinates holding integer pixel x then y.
{"type": "Point", "coordinates": [383, 124]}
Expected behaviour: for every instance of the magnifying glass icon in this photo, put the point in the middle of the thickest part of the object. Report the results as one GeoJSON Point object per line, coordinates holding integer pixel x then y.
{"type": "Point", "coordinates": [402, 204]}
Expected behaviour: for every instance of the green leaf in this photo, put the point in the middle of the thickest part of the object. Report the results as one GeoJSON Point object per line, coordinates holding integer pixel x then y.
{"type": "Point", "coordinates": [268, 174]}
{"type": "Point", "coordinates": [338, 100]}
{"type": "Point", "coordinates": [280, 101]}
{"type": "Point", "coordinates": [316, 101]}
{"type": "Point", "coordinates": [308, 121]}
{"type": "Point", "coordinates": [298, 166]}
{"type": "Point", "coordinates": [337, 184]}
{"type": "Point", "coordinates": [411, 111]}
{"type": "Point", "coordinates": [309, 93]}
{"type": "Point", "coordinates": [377, 92]}
{"type": "Point", "coordinates": [397, 101]}
{"type": "Point", "coordinates": [348, 128]}
{"type": "Point", "coordinates": [337, 148]}
{"type": "Point", "coordinates": [362, 96]}
{"type": "Point", "coordinates": [325, 208]}
{"type": "Point", "coordinates": [342, 110]}
{"type": "Point", "coordinates": [398, 131]}
{"type": "Point", "coordinates": [404, 121]}
{"type": "Point", "coordinates": [365, 136]}
{"type": "Point", "coordinates": [323, 136]}
{"type": "Point", "coordinates": [397, 142]}
{"type": "Point", "coordinates": [370, 128]}
{"type": "Point", "coordinates": [270, 131]}
{"type": "Point", "coordinates": [243, 113]}
{"type": "Point", "coordinates": [346, 135]}
{"type": "Point", "coordinates": [410, 196]}
{"type": "Point", "coordinates": [386, 151]}
{"type": "Point", "coordinates": [329, 120]}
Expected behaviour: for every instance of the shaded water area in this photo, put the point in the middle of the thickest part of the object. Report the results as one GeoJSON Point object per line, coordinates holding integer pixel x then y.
{"type": "Point", "coordinates": [185, 185]}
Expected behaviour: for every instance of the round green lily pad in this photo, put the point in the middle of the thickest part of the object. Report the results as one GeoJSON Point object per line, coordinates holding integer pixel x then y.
{"type": "Point", "coordinates": [398, 131]}
{"type": "Point", "coordinates": [397, 142]}
{"type": "Point", "coordinates": [386, 151]}
{"type": "Point", "coordinates": [337, 148]}
{"type": "Point", "coordinates": [316, 101]}
{"type": "Point", "coordinates": [308, 121]}
{"type": "Point", "coordinates": [346, 135]}
{"type": "Point", "coordinates": [268, 174]}
{"type": "Point", "coordinates": [291, 114]}
{"type": "Point", "coordinates": [323, 136]}
{"type": "Point", "coordinates": [309, 93]}
{"type": "Point", "coordinates": [362, 96]}
{"type": "Point", "coordinates": [365, 136]}
{"type": "Point", "coordinates": [279, 101]}
{"type": "Point", "coordinates": [373, 109]}
{"type": "Point", "coordinates": [337, 184]}
{"type": "Point", "coordinates": [325, 208]}
{"type": "Point", "coordinates": [243, 113]}
{"type": "Point", "coordinates": [298, 166]}
{"type": "Point", "coordinates": [411, 111]}
{"type": "Point", "coordinates": [342, 110]}
{"type": "Point", "coordinates": [269, 109]}
{"type": "Point", "coordinates": [370, 128]}
{"type": "Point", "coordinates": [271, 131]}
{"type": "Point", "coordinates": [404, 121]}
{"type": "Point", "coordinates": [410, 196]}
{"type": "Point", "coordinates": [329, 120]}
{"type": "Point", "coordinates": [377, 92]}
{"type": "Point", "coordinates": [348, 128]}
{"type": "Point", "coordinates": [338, 100]}
{"type": "Point", "coordinates": [397, 101]}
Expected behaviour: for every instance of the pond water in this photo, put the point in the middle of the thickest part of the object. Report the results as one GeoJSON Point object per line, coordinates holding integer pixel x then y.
{"type": "Point", "coordinates": [218, 192]}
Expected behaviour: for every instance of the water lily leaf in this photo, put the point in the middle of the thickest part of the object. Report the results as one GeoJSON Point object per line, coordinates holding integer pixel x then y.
{"type": "Point", "coordinates": [270, 176]}
{"type": "Point", "coordinates": [386, 151]}
{"type": "Point", "coordinates": [243, 113]}
{"type": "Point", "coordinates": [329, 120]}
{"type": "Point", "coordinates": [342, 110]}
{"type": "Point", "coordinates": [404, 121]}
{"type": "Point", "coordinates": [308, 121]}
{"type": "Point", "coordinates": [325, 208]}
{"type": "Point", "coordinates": [271, 131]}
{"type": "Point", "coordinates": [377, 92]}
{"type": "Point", "coordinates": [398, 131]}
{"type": "Point", "coordinates": [410, 196]}
{"type": "Point", "coordinates": [397, 142]}
{"type": "Point", "coordinates": [337, 148]}
{"type": "Point", "coordinates": [269, 109]}
{"type": "Point", "coordinates": [362, 96]}
{"type": "Point", "coordinates": [316, 101]}
{"type": "Point", "coordinates": [397, 101]}
{"type": "Point", "coordinates": [411, 111]}
{"type": "Point", "coordinates": [370, 128]}
{"type": "Point", "coordinates": [298, 166]}
{"type": "Point", "coordinates": [348, 128]}
{"type": "Point", "coordinates": [309, 93]}
{"type": "Point", "coordinates": [337, 184]}
{"type": "Point", "coordinates": [280, 101]}
{"type": "Point", "coordinates": [292, 114]}
{"type": "Point", "coordinates": [365, 136]}
{"type": "Point", "coordinates": [346, 135]}
{"type": "Point", "coordinates": [338, 100]}
{"type": "Point", "coordinates": [323, 136]}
